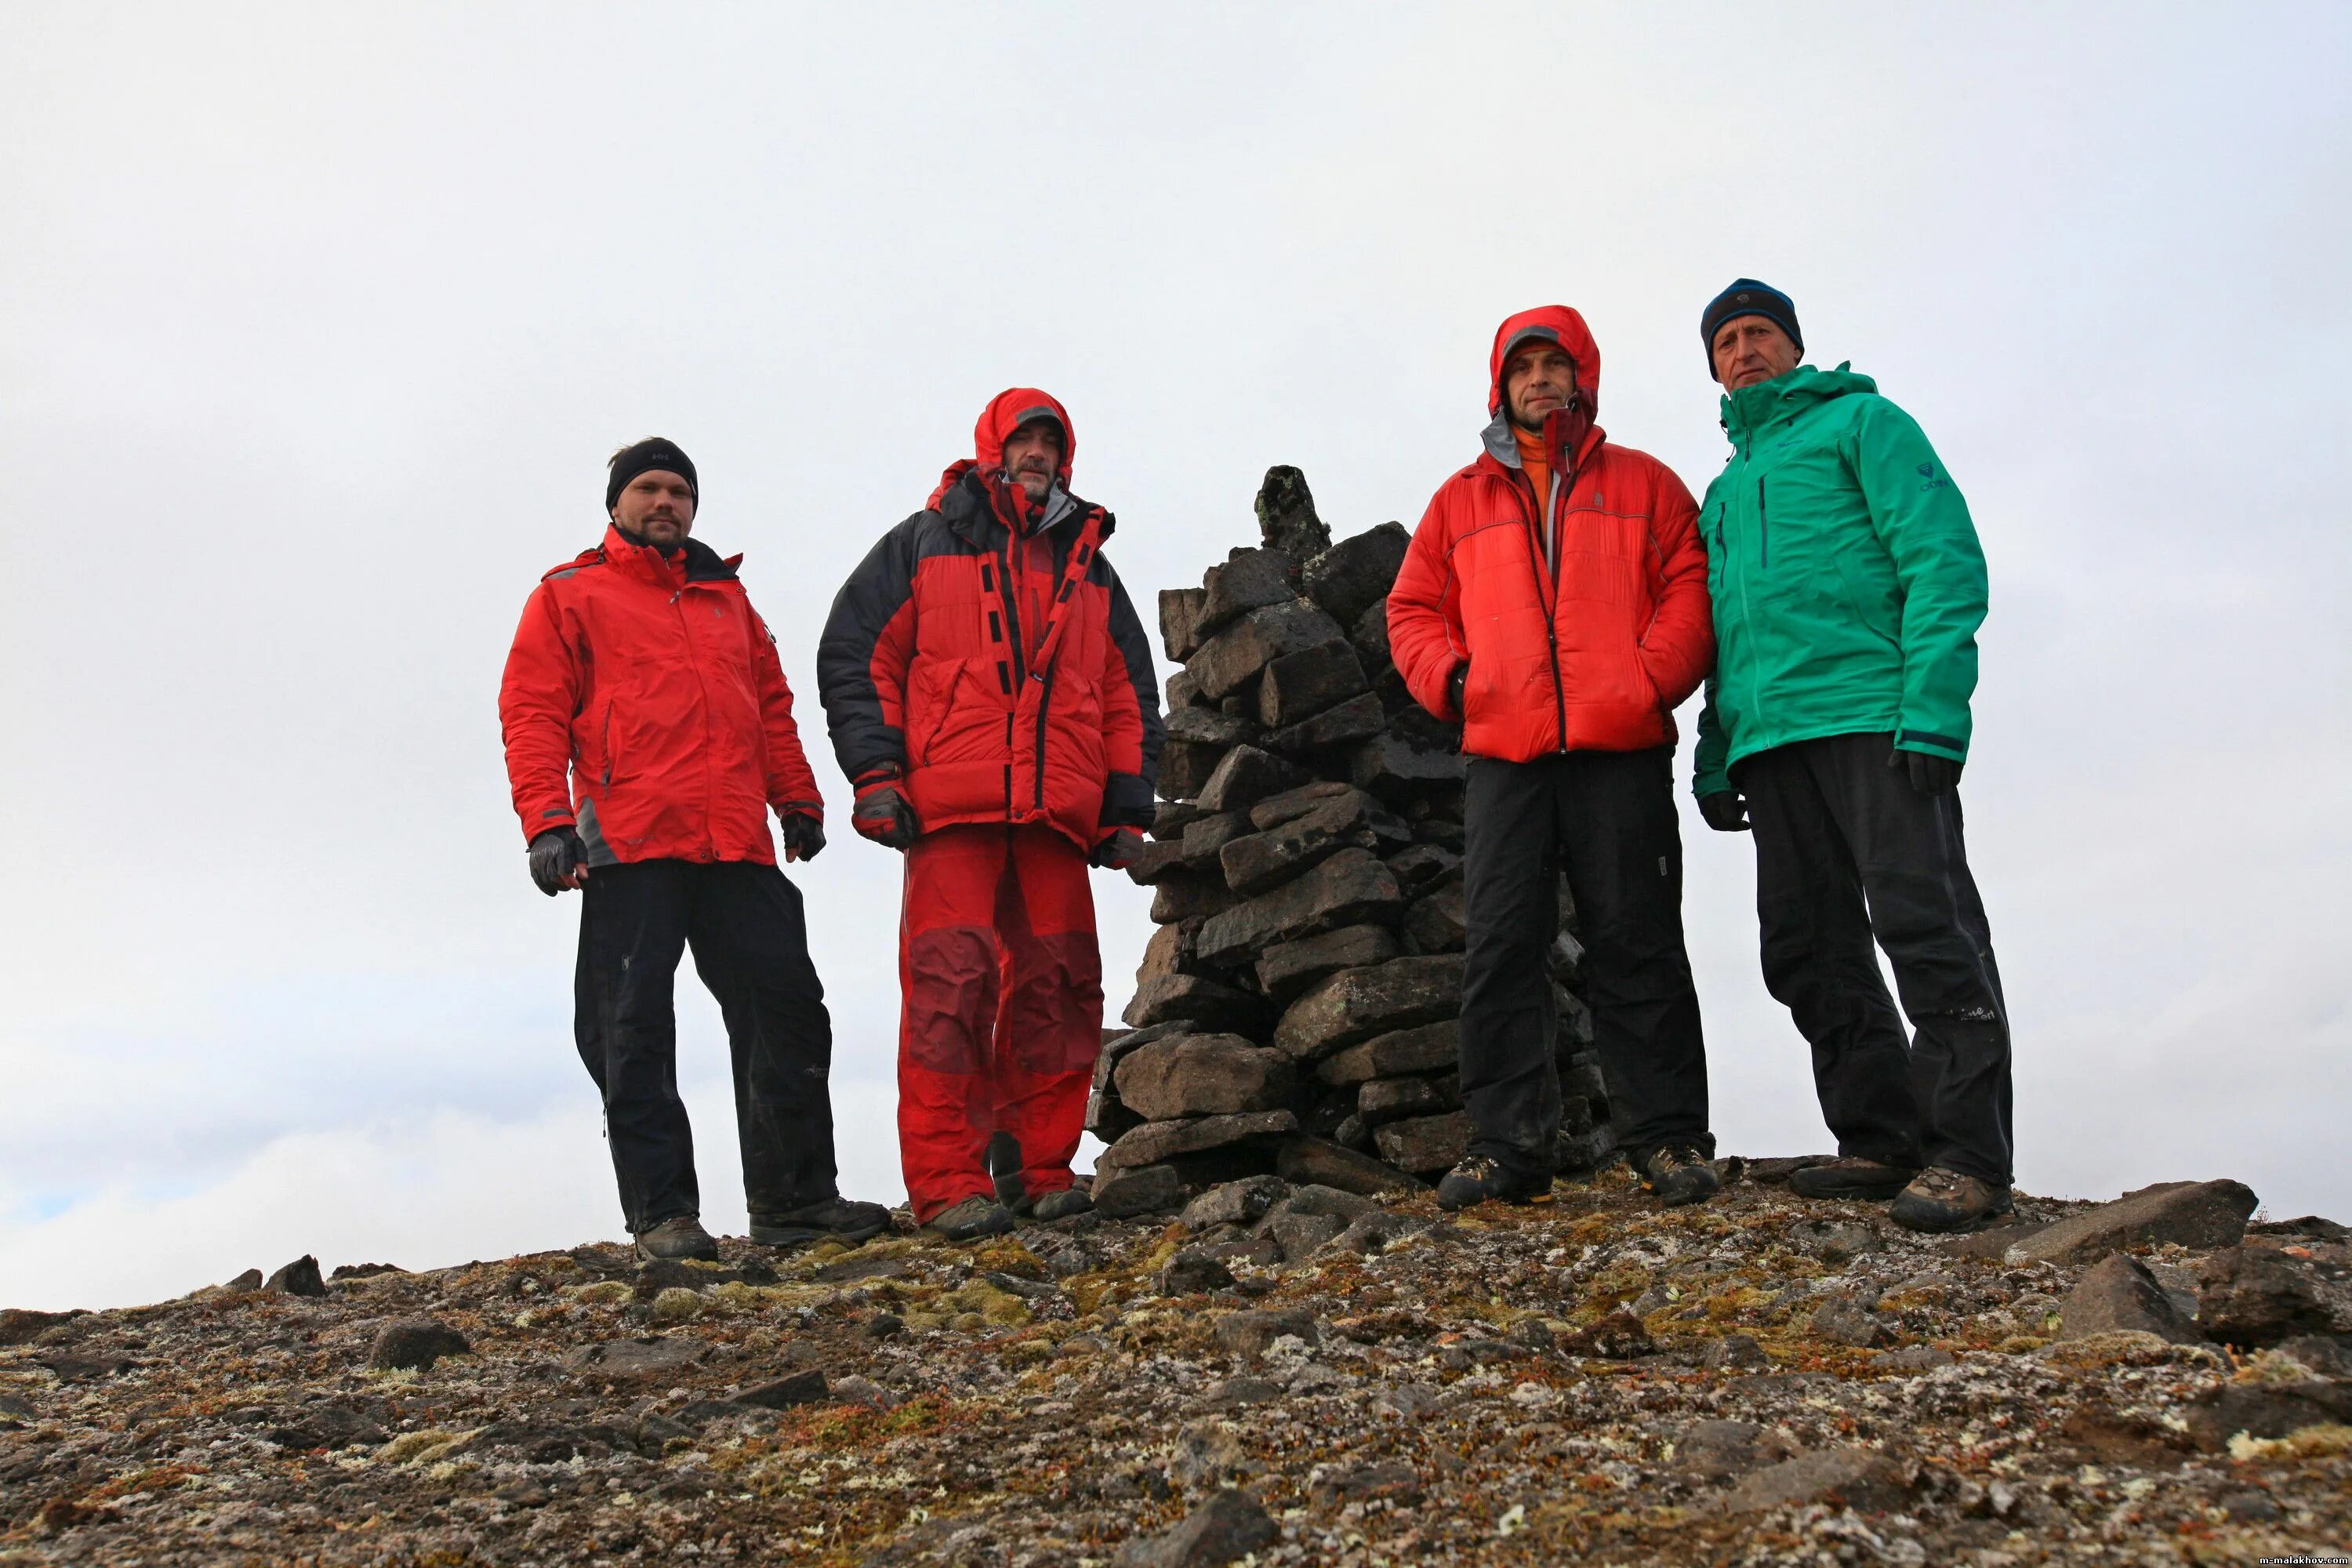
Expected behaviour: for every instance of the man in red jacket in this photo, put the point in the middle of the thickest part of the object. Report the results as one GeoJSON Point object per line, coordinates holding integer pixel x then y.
{"type": "Point", "coordinates": [1554, 601]}
{"type": "Point", "coordinates": [991, 695]}
{"type": "Point", "coordinates": [648, 730]}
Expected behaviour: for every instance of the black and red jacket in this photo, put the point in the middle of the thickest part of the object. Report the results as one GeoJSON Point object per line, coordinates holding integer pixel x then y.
{"type": "Point", "coordinates": [984, 653]}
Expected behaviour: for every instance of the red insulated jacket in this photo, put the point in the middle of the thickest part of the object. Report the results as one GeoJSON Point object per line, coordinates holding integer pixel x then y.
{"type": "Point", "coordinates": [985, 652]}
{"type": "Point", "coordinates": [1593, 653]}
{"type": "Point", "coordinates": [653, 683]}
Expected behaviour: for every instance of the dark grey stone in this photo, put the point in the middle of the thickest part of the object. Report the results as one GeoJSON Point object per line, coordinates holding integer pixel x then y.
{"type": "Point", "coordinates": [2118, 1293]}
{"type": "Point", "coordinates": [1188, 895]}
{"type": "Point", "coordinates": [1143, 1189]}
{"type": "Point", "coordinates": [1419, 867]}
{"type": "Point", "coordinates": [1424, 1143]}
{"type": "Point", "coordinates": [1193, 1273]}
{"type": "Point", "coordinates": [1155, 1142]}
{"type": "Point", "coordinates": [1349, 888]}
{"type": "Point", "coordinates": [1210, 1004]}
{"type": "Point", "coordinates": [1299, 1234]}
{"type": "Point", "coordinates": [1321, 1162]}
{"type": "Point", "coordinates": [1430, 1047]}
{"type": "Point", "coordinates": [1248, 775]}
{"type": "Point", "coordinates": [1439, 921]}
{"type": "Point", "coordinates": [1359, 1004]}
{"type": "Point", "coordinates": [2250, 1296]}
{"type": "Point", "coordinates": [1370, 636]}
{"type": "Point", "coordinates": [1238, 653]}
{"type": "Point", "coordinates": [1288, 968]}
{"type": "Point", "coordinates": [1204, 839]}
{"type": "Point", "coordinates": [300, 1277]}
{"type": "Point", "coordinates": [1179, 612]}
{"type": "Point", "coordinates": [1256, 862]}
{"type": "Point", "coordinates": [1203, 1074]}
{"type": "Point", "coordinates": [1395, 769]}
{"type": "Point", "coordinates": [2198, 1214]}
{"type": "Point", "coordinates": [1277, 809]}
{"type": "Point", "coordinates": [1243, 1202]}
{"type": "Point", "coordinates": [1299, 685]}
{"type": "Point", "coordinates": [1388, 1100]}
{"type": "Point", "coordinates": [413, 1344]}
{"type": "Point", "coordinates": [1358, 718]}
{"type": "Point", "coordinates": [1356, 573]}
{"type": "Point", "coordinates": [1246, 580]}
{"type": "Point", "coordinates": [1285, 515]}
{"type": "Point", "coordinates": [1861, 1478]}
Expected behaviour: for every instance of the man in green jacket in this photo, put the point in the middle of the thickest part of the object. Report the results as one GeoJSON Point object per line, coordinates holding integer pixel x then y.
{"type": "Point", "coordinates": [1848, 587]}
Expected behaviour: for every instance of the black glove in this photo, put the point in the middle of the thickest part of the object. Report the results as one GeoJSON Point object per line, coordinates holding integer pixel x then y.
{"type": "Point", "coordinates": [1929, 774]}
{"type": "Point", "coordinates": [1725, 811]}
{"type": "Point", "coordinates": [554, 856]}
{"type": "Point", "coordinates": [1453, 685]}
{"type": "Point", "coordinates": [803, 835]}
{"type": "Point", "coordinates": [883, 814]}
{"type": "Point", "coordinates": [1119, 851]}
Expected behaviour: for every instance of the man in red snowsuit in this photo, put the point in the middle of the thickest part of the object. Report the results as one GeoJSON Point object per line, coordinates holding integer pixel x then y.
{"type": "Point", "coordinates": [991, 695]}
{"type": "Point", "coordinates": [648, 732]}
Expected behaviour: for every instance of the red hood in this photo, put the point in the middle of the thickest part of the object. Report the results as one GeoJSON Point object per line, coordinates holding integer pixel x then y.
{"type": "Point", "coordinates": [1007, 412]}
{"type": "Point", "coordinates": [1555, 323]}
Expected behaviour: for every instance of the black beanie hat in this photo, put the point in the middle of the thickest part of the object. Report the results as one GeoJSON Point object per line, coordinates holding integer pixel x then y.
{"type": "Point", "coordinates": [655, 452]}
{"type": "Point", "coordinates": [1746, 297]}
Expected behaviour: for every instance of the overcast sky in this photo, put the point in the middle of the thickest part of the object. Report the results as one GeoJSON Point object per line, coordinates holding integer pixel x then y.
{"type": "Point", "coordinates": [319, 323]}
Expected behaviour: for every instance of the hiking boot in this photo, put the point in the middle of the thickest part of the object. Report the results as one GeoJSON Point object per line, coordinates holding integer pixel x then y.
{"type": "Point", "coordinates": [1062, 1204]}
{"type": "Point", "coordinates": [681, 1236]}
{"type": "Point", "coordinates": [1679, 1175]}
{"type": "Point", "coordinates": [1939, 1199]}
{"type": "Point", "coordinates": [840, 1219]}
{"type": "Point", "coordinates": [976, 1216]}
{"type": "Point", "coordinates": [1479, 1178]}
{"type": "Point", "coordinates": [1003, 1159]}
{"type": "Point", "coordinates": [1852, 1177]}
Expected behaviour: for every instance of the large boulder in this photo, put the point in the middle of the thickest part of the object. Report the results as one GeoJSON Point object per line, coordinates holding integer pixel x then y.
{"type": "Point", "coordinates": [1356, 573]}
{"type": "Point", "coordinates": [1246, 774]}
{"type": "Point", "coordinates": [1203, 1074]}
{"type": "Point", "coordinates": [1157, 1141]}
{"type": "Point", "coordinates": [1241, 651]}
{"type": "Point", "coordinates": [1179, 612]}
{"type": "Point", "coordinates": [1425, 1143]}
{"type": "Point", "coordinates": [2250, 1296]}
{"type": "Point", "coordinates": [2199, 1215]}
{"type": "Point", "coordinates": [1257, 861]}
{"type": "Point", "coordinates": [1358, 1003]}
{"type": "Point", "coordinates": [1431, 1048]}
{"type": "Point", "coordinates": [1349, 888]}
{"type": "Point", "coordinates": [1210, 1004]}
{"type": "Point", "coordinates": [1288, 968]}
{"type": "Point", "coordinates": [2117, 1294]}
{"type": "Point", "coordinates": [1357, 719]}
{"type": "Point", "coordinates": [1297, 685]}
{"type": "Point", "coordinates": [1248, 580]}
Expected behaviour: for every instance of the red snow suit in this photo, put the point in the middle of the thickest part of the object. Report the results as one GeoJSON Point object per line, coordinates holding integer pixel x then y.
{"type": "Point", "coordinates": [1595, 651]}
{"type": "Point", "coordinates": [985, 654]}
{"type": "Point", "coordinates": [653, 684]}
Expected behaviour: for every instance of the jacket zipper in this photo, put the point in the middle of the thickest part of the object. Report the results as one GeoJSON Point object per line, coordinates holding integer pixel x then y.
{"type": "Point", "coordinates": [1551, 619]}
{"type": "Point", "coordinates": [1763, 526]}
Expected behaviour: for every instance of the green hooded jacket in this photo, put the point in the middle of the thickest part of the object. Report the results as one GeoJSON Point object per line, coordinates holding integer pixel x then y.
{"type": "Point", "coordinates": [1847, 581]}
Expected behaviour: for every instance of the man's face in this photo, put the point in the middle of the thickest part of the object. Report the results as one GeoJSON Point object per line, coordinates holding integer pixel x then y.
{"type": "Point", "coordinates": [656, 508]}
{"type": "Point", "coordinates": [1749, 349]}
{"type": "Point", "coordinates": [1537, 379]}
{"type": "Point", "coordinates": [1033, 456]}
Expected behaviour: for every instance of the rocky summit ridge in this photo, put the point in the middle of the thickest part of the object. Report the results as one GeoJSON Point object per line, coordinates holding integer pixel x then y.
{"type": "Point", "coordinates": [1760, 1379]}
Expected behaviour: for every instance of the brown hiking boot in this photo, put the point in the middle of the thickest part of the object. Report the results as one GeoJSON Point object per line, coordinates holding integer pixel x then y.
{"type": "Point", "coordinates": [1938, 1199]}
{"type": "Point", "coordinates": [1479, 1179]}
{"type": "Point", "coordinates": [1852, 1177]}
{"type": "Point", "coordinates": [679, 1236]}
{"type": "Point", "coordinates": [1678, 1173]}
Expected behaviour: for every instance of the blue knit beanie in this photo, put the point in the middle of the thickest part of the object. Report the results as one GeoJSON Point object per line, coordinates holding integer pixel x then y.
{"type": "Point", "coordinates": [1746, 297]}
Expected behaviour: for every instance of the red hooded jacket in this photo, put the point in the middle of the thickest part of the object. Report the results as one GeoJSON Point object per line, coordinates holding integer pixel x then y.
{"type": "Point", "coordinates": [654, 684]}
{"type": "Point", "coordinates": [999, 680]}
{"type": "Point", "coordinates": [1592, 653]}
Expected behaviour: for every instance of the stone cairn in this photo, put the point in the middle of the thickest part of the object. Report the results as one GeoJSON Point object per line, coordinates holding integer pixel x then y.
{"type": "Point", "coordinates": [1297, 1012]}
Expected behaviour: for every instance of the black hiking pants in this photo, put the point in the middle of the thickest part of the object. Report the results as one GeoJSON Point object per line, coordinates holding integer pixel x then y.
{"type": "Point", "coordinates": [744, 924]}
{"type": "Point", "coordinates": [1607, 820]}
{"type": "Point", "coordinates": [1849, 855]}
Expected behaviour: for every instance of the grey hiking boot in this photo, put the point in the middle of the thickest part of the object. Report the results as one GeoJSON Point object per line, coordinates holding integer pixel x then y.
{"type": "Point", "coordinates": [1062, 1204]}
{"type": "Point", "coordinates": [1479, 1178]}
{"type": "Point", "coordinates": [1852, 1177]}
{"type": "Point", "coordinates": [976, 1216]}
{"type": "Point", "coordinates": [679, 1236]}
{"type": "Point", "coordinates": [1679, 1175]}
{"type": "Point", "coordinates": [1941, 1199]}
{"type": "Point", "coordinates": [839, 1218]}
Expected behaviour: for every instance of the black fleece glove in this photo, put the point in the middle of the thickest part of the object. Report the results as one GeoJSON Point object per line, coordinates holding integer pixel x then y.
{"type": "Point", "coordinates": [1726, 811]}
{"type": "Point", "coordinates": [885, 816]}
{"type": "Point", "coordinates": [803, 836]}
{"type": "Point", "coordinates": [1929, 774]}
{"type": "Point", "coordinates": [1119, 851]}
{"type": "Point", "coordinates": [554, 856]}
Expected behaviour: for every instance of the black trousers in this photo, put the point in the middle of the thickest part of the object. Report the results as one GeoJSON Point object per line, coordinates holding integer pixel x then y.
{"type": "Point", "coordinates": [751, 948]}
{"type": "Point", "coordinates": [1849, 855]}
{"type": "Point", "coordinates": [1607, 820]}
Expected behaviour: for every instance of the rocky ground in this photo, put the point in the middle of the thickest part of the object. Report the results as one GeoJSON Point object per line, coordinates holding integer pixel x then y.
{"type": "Point", "coordinates": [1303, 1373]}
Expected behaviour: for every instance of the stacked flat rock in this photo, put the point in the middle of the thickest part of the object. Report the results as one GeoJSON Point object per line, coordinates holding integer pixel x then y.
{"type": "Point", "coordinates": [1297, 1011]}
